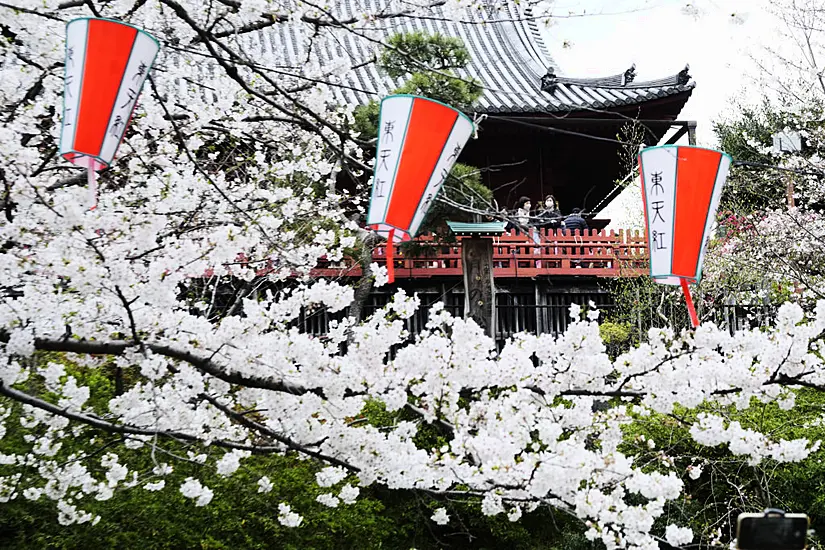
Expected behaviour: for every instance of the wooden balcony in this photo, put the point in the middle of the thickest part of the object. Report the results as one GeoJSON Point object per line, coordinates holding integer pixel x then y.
{"type": "Point", "coordinates": [544, 253]}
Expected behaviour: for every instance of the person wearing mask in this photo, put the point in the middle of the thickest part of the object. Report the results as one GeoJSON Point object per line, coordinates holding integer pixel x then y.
{"type": "Point", "coordinates": [550, 215]}
{"type": "Point", "coordinates": [550, 220]}
{"type": "Point", "coordinates": [523, 207]}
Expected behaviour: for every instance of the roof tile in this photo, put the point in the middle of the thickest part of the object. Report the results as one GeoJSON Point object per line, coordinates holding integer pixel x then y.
{"type": "Point", "coordinates": [508, 57]}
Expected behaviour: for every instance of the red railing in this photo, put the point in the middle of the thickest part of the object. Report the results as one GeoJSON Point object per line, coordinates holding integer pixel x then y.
{"type": "Point", "coordinates": [545, 252]}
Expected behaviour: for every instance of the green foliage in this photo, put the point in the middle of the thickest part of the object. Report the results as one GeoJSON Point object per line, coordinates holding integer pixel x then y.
{"type": "Point", "coordinates": [748, 136]}
{"type": "Point", "coordinates": [616, 336]}
{"type": "Point", "coordinates": [426, 62]}
{"type": "Point", "coordinates": [730, 484]}
{"type": "Point", "coordinates": [241, 517]}
{"type": "Point", "coordinates": [238, 517]}
{"type": "Point", "coordinates": [746, 190]}
{"type": "Point", "coordinates": [420, 52]}
{"type": "Point", "coordinates": [453, 91]}
{"type": "Point", "coordinates": [639, 304]}
{"type": "Point", "coordinates": [366, 120]}
{"type": "Point", "coordinates": [614, 333]}
{"type": "Point", "coordinates": [736, 135]}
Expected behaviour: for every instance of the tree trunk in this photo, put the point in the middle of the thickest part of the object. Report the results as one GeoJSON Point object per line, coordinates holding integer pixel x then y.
{"type": "Point", "coordinates": [365, 284]}
{"type": "Point", "coordinates": [479, 292]}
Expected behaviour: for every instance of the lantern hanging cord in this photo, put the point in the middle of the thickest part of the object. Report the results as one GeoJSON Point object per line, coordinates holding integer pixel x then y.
{"type": "Point", "coordinates": [390, 252]}
{"type": "Point", "coordinates": [749, 164]}
{"type": "Point", "coordinates": [744, 163]}
{"type": "Point", "coordinates": [557, 130]}
{"type": "Point", "coordinates": [694, 319]}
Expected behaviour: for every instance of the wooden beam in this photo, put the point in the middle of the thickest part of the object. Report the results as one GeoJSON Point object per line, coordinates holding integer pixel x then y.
{"type": "Point", "coordinates": [683, 129]}
{"type": "Point", "coordinates": [553, 121]}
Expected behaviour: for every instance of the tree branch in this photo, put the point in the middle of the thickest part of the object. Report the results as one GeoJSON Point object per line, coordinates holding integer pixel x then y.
{"type": "Point", "coordinates": [100, 424]}
{"type": "Point", "coordinates": [203, 364]}
{"type": "Point", "coordinates": [241, 419]}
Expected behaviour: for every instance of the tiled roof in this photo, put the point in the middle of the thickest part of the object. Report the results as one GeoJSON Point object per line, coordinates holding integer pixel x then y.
{"type": "Point", "coordinates": [508, 57]}
{"type": "Point", "coordinates": [613, 91]}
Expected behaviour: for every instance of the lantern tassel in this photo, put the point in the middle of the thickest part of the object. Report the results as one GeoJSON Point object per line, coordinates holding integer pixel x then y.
{"type": "Point", "coordinates": [391, 256]}
{"type": "Point", "coordinates": [91, 177]}
{"type": "Point", "coordinates": [694, 319]}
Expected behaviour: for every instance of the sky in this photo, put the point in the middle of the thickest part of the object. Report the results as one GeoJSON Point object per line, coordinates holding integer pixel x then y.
{"type": "Point", "coordinates": [660, 38]}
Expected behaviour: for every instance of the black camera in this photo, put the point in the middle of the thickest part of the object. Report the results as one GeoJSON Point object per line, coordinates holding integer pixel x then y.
{"type": "Point", "coordinates": [773, 530]}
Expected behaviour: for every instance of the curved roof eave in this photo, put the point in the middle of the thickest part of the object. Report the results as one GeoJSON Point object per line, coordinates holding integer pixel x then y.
{"type": "Point", "coordinates": [508, 57]}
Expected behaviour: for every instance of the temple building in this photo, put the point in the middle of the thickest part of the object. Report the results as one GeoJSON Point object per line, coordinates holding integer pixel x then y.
{"type": "Point", "coordinates": [531, 114]}
{"type": "Point", "coordinates": [540, 132]}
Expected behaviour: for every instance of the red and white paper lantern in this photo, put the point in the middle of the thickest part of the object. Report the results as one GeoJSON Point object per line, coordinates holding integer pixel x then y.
{"type": "Point", "coordinates": [419, 141]}
{"type": "Point", "coordinates": [106, 64]}
{"type": "Point", "coordinates": [681, 189]}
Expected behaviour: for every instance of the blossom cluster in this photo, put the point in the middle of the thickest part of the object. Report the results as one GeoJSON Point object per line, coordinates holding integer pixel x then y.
{"type": "Point", "coordinates": [193, 272]}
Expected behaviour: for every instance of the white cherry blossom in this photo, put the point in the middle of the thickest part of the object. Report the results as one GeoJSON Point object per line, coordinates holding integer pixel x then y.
{"type": "Point", "coordinates": [192, 275]}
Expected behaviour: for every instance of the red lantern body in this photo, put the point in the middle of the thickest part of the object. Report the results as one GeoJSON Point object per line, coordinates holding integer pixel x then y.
{"type": "Point", "coordinates": [681, 189]}
{"type": "Point", "coordinates": [419, 141]}
{"type": "Point", "coordinates": [106, 64]}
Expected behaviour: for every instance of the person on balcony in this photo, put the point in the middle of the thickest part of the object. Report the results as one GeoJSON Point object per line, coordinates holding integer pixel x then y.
{"type": "Point", "coordinates": [521, 215]}
{"type": "Point", "coordinates": [572, 222]}
{"type": "Point", "coordinates": [550, 217]}
{"type": "Point", "coordinates": [575, 221]}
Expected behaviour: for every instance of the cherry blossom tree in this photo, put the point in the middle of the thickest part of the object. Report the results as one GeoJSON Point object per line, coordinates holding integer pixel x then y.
{"type": "Point", "coordinates": [772, 228]}
{"type": "Point", "coordinates": [185, 282]}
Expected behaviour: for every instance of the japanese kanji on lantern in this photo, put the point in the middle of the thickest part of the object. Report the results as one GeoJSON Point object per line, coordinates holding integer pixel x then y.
{"type": "Point", "coordinates": [106, 64]}
{"type": "Point", "coordinates": [419, 141]}
{"type": "Point", "coordinates": [681, 188]}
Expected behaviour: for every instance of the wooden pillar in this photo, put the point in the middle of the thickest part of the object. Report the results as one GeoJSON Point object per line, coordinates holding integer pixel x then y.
{"type": "Point", "coordinates": [791, 202]}
{"type": "Point", "coordinates": [692, 132]}
{"type": "Point", "coordinates": [479, 290]}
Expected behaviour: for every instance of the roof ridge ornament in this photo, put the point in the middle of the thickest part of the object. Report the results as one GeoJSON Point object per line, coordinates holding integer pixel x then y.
{"type": "Point", "coordinates": [629, 75]}
{"type": "Point", "coordinates": [549, 81]}
{"type": "Point", "coordinates": [684, 76]}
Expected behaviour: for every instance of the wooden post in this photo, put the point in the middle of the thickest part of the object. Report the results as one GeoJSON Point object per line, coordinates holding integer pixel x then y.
{"type": "Point", "coordinates": [639, 315]}
{"type": "Point", "coordinates": [477, 268]}
{"type": "Point", "coordinates": [791, 202]}
{"type": "Point", "coordinates": [479, 291]}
